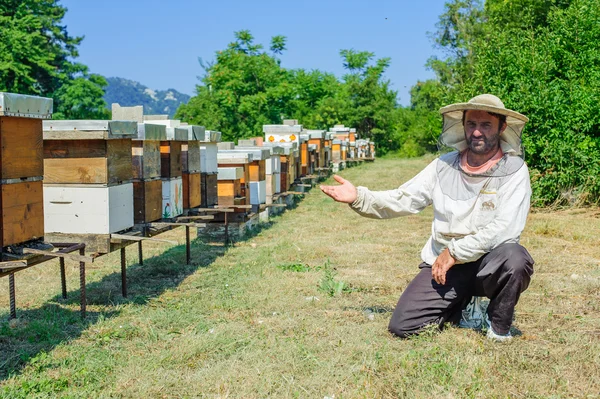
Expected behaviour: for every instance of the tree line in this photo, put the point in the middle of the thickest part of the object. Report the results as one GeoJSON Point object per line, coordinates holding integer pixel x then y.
{"type": "Point", "coordinates": [539, 56]}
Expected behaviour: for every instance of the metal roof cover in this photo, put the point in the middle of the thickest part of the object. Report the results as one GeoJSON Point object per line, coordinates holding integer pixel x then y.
{"type": "Point", "coordinates": [195, 132]}
{"type": "Point", "coordinates": [149, 131]}
{"type": "Point", "coordinates": [114, 129]}
{"type": "Point", "coordinates": [177, 134]}
{"type": "Point", "coordinates": [25, 106]}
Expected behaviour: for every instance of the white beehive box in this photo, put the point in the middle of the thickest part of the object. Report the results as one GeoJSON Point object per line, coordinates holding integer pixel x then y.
{"type": "Point", "coordinates": [208, 158]}
{"type": "Point", "coordinates": [258, 192]}
{"type": "Point", "coordinates": [88, 210]}
{"type": "Point", "coordinates": [172, 197]}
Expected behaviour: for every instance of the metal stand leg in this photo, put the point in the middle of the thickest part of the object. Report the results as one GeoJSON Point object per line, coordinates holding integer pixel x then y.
{"type": "Point", "coordinates": [83, 299]}
{"type": "Point", "coordinates": [226, 230]}
{"type": "Point", "coordinates": [11, 293]}
{"type": "Point", "coordinates": [140, 254]}
{"type": "Point", "coordinates": [63, 277]}
{"type": "Point", "coordinates": [188, 251]}
{"type": "Point", "coordinates": [123, 273]}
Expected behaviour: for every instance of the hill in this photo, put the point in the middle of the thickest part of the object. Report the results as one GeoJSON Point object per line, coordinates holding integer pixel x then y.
{"type": "Point", "coordinates": [128, 93]}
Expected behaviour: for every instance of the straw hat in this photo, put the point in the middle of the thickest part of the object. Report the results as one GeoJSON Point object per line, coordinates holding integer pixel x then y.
{"type": "Point", "coordinates": [453, 133]}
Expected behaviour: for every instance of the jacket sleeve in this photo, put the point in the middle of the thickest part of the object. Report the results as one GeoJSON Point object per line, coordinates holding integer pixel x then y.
{"type": "Point", "coordinates": [410, 198]}
{"type": "Point", "coordinates": [509, 221]}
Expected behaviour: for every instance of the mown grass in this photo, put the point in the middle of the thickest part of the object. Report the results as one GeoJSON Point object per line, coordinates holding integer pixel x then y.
{"type": "Point", "coordinates": [265, 318]}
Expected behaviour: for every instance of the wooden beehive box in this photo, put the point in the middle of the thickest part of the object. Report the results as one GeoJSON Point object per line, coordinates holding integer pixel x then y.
{"type": "Point", "coordinates": [317, 138]}
{"type": "Point", "coordinates": [192, 190]}
{"type": "Point", "coordinates": [210, 194]}
{"type": "Point", "coordinates": [146, 151]}
{"type": "Point", "coordinates": [88, 209]}
{"type": "Point", "coordinates": [147, 201]}
{"type": "Point", "coordinates": [170, 153]}
{"type": "Point", "coordinates": [88, 152]}
{"type": "Point", "coordinates": [230, 186]}
{"type": "Point", "coordinates": [208, 152]}
{"type": "Point", "coordinates": [233, 158]}
{"type": "Point", "coordinates": [190, 151]}
{"type": "Point", "coordinates": [257, 180]}
{"type": "Point", "coordinates": [336, 150]}
{"type": "Point", "coordinates": [21, 167]}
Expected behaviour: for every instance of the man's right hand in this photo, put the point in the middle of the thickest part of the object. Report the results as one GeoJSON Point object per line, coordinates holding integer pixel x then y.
{"type": "Point", "coordinates": [345, 192]}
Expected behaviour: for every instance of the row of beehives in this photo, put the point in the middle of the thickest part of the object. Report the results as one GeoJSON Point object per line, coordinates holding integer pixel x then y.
{"type": "Point", "coordinates": [66, 179]}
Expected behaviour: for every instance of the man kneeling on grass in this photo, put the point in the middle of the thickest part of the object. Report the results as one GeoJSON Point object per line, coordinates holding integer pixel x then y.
{"type": "Point", "coordinates": [480, 196]}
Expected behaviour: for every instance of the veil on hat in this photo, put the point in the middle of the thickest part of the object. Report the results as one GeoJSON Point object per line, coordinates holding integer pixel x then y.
{"type": "Point", "coordinates": [463, 186]}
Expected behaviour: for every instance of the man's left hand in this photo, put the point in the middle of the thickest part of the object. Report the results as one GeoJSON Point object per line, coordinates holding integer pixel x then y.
{"type": "Point", "coordinates": [442, 264]}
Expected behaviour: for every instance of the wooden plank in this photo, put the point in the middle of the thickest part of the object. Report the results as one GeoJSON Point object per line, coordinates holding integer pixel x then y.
{"type": "Point", "coordinates": [119, 160]}
{"type": "Point", "coordinates": [192, 197]}
{"type": "Point", "coordinates": [78, 258]}
{"type": "Point", "coordinates": [126, 237]}
{"type": "Point", "coordinates": [76, 170]}
{"type": "Point", "coordinates": [195, 217]}
{"type": "Point", "coordinates": [21, 147]}
{"type": "Point", "coordinates": [147, 201]}
{"type": "Point", "coordinates": [22, 212]}
{"type": "Point", "coordinates": [75, 149]}
{"type": "Point", "coordinates": [12, 265]}
{"type": "Point", "coordinates": [146, 159]}
{"type": "Point", "coordinates": [94, 243]}
{"type": "Point", "coordinates": [176, 224]}
{"type": "Point", "coordinates": [210, 195]}
{"type": "Point", "coordinates": [170, 159]}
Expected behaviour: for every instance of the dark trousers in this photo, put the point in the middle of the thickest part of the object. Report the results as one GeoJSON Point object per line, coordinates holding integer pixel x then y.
{"type": "Point", "coordinates": [501, 275]}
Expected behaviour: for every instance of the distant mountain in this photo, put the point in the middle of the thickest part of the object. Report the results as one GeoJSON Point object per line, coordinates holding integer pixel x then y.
{"type": "Point", "coordinates": [129, 93]}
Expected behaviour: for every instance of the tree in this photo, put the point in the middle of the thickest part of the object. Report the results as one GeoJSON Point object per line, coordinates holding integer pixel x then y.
{"type": "Point", "coordinates": [242, 90]}
{"type": "Point", "coordinates": [35, 58]}
{"type": "Point", "coordinates": [541, 58]}
{"type": "Point", "coordinates": [370, 98]}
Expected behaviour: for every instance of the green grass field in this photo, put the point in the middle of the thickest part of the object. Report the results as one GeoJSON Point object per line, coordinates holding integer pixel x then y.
{"type": "Point", "coordinates": [301, 310]}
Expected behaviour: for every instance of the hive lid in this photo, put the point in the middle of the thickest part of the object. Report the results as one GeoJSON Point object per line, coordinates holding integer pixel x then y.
{"type": "Point", "coordinates": [232, 156]}
{"type": "Point", "coordinates": [177, 134]}
{"type": "Point", "coordinates": [149, 131]}
{"type": "Point", "coordinates": [212, 136]}
{"type": "Point", "coordinates": [25, 106]}
{"type": "Point", "coordinates": [316, 134]}
{"type": "Point", "coordinates": [194, 132]}
{"type": "Point", "coordinates": [89, 130]}
{"type": "Point", "coordinates": [258, 153]}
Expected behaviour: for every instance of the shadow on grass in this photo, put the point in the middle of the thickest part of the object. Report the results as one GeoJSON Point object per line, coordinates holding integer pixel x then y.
{"type": "Point", "coordinates": [37, 331]}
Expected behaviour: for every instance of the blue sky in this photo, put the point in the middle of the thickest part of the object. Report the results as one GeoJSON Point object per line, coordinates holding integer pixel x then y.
{"type": "Point", "coordinates": [158, 42]}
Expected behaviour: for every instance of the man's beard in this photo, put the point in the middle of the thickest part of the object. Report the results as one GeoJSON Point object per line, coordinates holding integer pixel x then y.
{"type": "Point", "coordinates": [489, 144]}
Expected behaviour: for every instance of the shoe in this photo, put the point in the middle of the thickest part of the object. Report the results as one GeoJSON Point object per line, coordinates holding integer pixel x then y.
{"type": "Point", "coordinates": [474, 315]}
{"type": "Point", "coordinates": [498, 337]}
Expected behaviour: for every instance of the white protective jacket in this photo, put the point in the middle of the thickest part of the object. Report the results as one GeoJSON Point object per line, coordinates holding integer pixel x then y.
{"type": "Point", "coordinates": [472, 215]}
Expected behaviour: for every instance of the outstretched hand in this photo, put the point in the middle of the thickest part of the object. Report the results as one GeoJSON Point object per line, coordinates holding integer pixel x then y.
{"type": "Point", "coordinates": [345, 192]}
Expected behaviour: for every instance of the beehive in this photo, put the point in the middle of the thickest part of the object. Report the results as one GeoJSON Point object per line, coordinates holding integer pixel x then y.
{"type": "Point", "coordinates": [87, 176]}
{"type": "Point", "coordinates": [21, 167]}
{"type": "Point", "coordinates": [238, 159]}
{"type": "Point", "coordinates": [148, 195]}
{"type": "Point", "coordinates": [317, 138]}
{"type": "Point", "coordinates": [230, 186]}
{"type": "Point", "coordinates": [209, 168]}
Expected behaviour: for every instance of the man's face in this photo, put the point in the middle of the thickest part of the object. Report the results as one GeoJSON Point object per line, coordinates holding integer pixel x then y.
{"type": "Point", "coordinates": [482, 131]}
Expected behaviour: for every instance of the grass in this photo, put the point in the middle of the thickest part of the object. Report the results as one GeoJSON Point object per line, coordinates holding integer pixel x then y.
{"type": "Point", "coordinates": [258, 320]}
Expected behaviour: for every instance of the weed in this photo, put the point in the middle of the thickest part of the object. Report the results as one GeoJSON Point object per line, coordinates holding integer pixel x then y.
{"type": "Point", "coordinates": [329, 284]}
{"type": "Point", "coordinates": [295, 267]}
